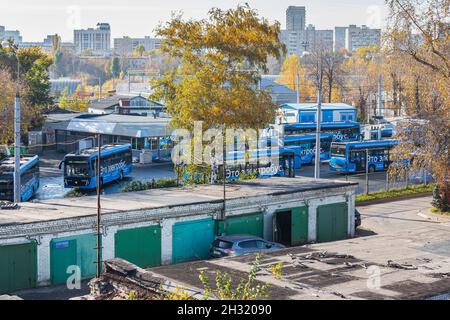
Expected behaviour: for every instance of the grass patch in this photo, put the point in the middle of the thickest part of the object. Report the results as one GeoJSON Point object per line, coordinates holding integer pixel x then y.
{"type": "Point", "coordinates": [395, 193]}
{"type": "Point", "coordinates": [146, 185]}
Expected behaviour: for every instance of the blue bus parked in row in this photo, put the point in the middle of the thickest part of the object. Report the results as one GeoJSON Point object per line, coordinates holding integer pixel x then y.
{"type": "Point", "coordinates": [80, 169]}
{"type": "Point", "coordinates": [342, 131]}
{"type": "Point", "coordinates": [263, 163]}
{"type": "Point", "coordinates": [351, 157]}
{"type": "Point", "coordinates": [304, 147]}
{"type": "Point", "coordinates": [29, 177]}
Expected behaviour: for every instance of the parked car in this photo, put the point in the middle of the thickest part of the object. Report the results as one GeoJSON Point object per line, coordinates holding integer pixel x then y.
{"type": "Point", "coordinates": [357, 218]}
{"type": "Point", "coordinates": [240, 244]}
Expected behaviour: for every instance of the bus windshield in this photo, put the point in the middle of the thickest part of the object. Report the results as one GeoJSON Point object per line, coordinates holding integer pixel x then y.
{"type": "Point", "coordinates": [77, 168]}
{"type": "Point", "coordinates": [338, 150]}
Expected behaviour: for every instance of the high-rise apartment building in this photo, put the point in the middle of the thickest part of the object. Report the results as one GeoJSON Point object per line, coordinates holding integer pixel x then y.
{"type": "Point", "coordinates": [357, 37]}
{"type": "Point", "coordinates": [339, 38]}
{"type": "Point", "coordinates": [98, 40]}
{"type": "Point", "coordinates": [295, 18]}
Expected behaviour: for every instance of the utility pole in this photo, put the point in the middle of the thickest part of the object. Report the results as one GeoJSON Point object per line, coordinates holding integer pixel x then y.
{"type": "Point", "coordinates": [380, 87]}
{"type": "Point", "coordinates": [99, 235]}
{"type": "Point", "coordinates": [99, 88]}
{"type": "Point", "coordinates": [223, 174]}
{"type": "Point", "coordinates": [298, 87]}
{"type": "Point", "coordinates": [17, 187]}
{"type": "Point", "coordinates": [367, 171]}
{"type": "Point", "coordinates": [318, 125]}
{"type": "Point", "coordinates": [380, 98]}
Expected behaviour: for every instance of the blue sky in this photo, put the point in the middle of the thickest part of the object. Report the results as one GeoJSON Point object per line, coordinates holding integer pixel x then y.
{"type": "Point", "coordinates": [136, 18]}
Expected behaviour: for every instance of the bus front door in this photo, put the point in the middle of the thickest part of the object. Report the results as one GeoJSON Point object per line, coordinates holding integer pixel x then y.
{"type": "Point", "coordinates": [359, 159]}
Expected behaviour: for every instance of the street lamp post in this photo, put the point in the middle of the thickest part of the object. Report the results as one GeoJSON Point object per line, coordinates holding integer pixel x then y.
{"type": "Point", "coordinates": [318, 120]}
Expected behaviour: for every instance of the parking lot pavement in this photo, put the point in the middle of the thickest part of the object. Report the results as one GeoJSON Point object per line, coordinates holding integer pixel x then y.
{"type": "Point", "coordinates": [52, 186]}
{"type": "Point", "coordinates": [401, 252]}
{"type": "Point", "coordinates": [60, 292]}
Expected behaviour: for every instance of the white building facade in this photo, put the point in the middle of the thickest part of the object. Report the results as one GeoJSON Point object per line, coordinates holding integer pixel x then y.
{"type": "Point", "coordinates": [126, 45]}
{"type": "Point", "coordinates": [10, 35]}
{"type": "Point", "coordinates": [310, 39]}
{"type": "Point", "coordinates": [358, 37]}
{"type": "Point", "coordinates": [98, 40]}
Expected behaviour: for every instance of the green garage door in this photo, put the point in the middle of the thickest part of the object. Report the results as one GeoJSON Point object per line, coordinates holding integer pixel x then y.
{"type": "Point", "coordinates": [292, 226]}
{"type": "Point", "coordinates": [73, 251]}
{"type": "Point", "coordinates": [299, 219]}
{"type": "Point", "coordinates": [332, 222]}
{"type": "Point", "coordinates": [18, 267]}
{"type": "Point", "coordinates": [191, 240]}
{"type": "Point", "coordinates": [141, 246]}
{"type": "Point", "coordinates": [252, 224]}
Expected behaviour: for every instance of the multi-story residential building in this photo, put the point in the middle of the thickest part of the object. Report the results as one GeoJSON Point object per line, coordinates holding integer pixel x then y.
{"type": "Point", "coordinates": [310, 39]}
{"type": "Point", "coordinates": [339, 38]}
{"type": "Point", "coordinates": [300, 38]}
{"type": "Point", "coordinates": [126, 45]}
{"type": "Point", "coordinates": [295, 18]}
{"type": "Point", "coordinates": [357, 37]}
{"type": "Point", "coordinates": [46, 45]}
{"type": "Point", "coordinates": [97, 40]}
{"type": "Point", "coordinates": [10, 35]}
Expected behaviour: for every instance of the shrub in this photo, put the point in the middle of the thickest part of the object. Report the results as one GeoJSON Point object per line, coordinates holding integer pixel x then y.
{"type": "Point", "coordinates": [137, 185]}
{"type": "Point", "coordinates": [74, 193]}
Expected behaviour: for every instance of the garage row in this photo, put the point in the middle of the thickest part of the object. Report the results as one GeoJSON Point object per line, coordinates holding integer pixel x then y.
{"type": "Point", "coordinates": [148, 244]}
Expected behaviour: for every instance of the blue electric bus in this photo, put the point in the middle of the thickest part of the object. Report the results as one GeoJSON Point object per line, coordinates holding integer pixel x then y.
{"type": "Point", "coordinates": [264, 163]}
{"type": "Point", "coordinates": [350, 157]}
{"type": "Point", "coordinates": [80, 169]}
{"type": "Point", "coordinates": [304, 147]}
{"type": "Point", "coordinates": [29, 177]}
{"type": "Point", "coordinates": [342, 131]}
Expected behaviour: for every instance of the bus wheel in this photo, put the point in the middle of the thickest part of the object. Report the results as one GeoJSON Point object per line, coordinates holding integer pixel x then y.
{"type": "Point", "coordinates": [371, 168]}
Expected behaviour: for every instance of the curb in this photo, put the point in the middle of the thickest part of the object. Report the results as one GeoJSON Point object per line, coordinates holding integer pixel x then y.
{"type": "Point", "coordinates": [386, 200]}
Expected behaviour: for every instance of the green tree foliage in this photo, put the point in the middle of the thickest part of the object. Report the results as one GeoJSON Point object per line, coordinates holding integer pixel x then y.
{"type": "Point", "coordinates": [74, 102]}
{"type": "Point", "coordinates": [115, 67]}
{"type": "Point", "coordinates": [246, 289]}
{"type": "Point", "coordinates": [34, 87]}
{"type": "Point", "coordinates": [139, 49]}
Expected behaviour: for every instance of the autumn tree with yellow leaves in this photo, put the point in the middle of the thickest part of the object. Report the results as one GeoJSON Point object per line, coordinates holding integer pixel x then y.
{"type": "Point", "coordinates": [361, 70]}
{"type": "Point", "coordinates": [221, 58]}
{"type": "Point", "coordinates": [290, 70]}
{"type": "Point", "coordinates": [419, 41]}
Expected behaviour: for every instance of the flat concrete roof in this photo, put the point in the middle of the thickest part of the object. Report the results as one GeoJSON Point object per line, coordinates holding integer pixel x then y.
{"type": "Point", "coordinates": [48, 210]}
{"type": "Point", "coordinates": [416, 245]}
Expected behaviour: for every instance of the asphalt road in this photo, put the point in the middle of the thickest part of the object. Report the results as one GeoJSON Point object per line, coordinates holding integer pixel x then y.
{"type": "Point", "coordinates": [52, 185]}
{"type": "Point", "coordinates": [52, 180]}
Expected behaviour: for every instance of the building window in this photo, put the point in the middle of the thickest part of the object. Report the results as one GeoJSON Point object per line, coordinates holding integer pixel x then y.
{"type": "Point", "coordinates": [347, 116]}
